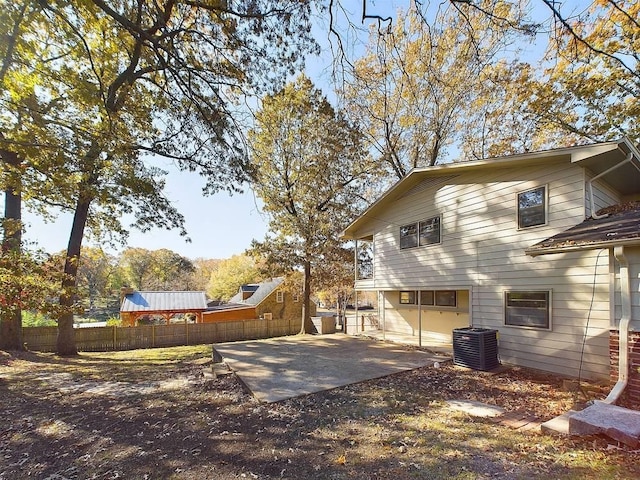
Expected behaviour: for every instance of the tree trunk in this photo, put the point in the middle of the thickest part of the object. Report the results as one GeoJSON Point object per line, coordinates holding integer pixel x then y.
{"type": "Point", "coordinates": [66, 341]}
{"type": "Point", "coordinates": [307, 325]}
{"type": "Point", "coordinates": [11, 321]}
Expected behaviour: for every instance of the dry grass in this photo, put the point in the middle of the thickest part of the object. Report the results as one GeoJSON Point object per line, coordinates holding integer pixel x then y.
{"type": "Point", "coordinates": [151, 414]}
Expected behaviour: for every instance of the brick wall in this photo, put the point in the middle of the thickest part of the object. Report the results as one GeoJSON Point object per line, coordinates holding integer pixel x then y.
{"type": "Point", "coordinates": [631, 394]}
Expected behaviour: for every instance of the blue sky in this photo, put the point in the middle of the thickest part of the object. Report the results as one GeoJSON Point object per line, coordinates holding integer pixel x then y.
{"type": "Point", "coordinates": [219, 226]}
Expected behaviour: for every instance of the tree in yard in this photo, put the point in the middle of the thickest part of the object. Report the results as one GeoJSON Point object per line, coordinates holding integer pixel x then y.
{"type": "Point", "coordinates": [204, 267]}
{"type": "Point", "coordinates": [170, 271]}
{"type": "Point", "coordinates": [308, 167]}
{"type": "Point", "coordinates": [585, 89]}
{"type": "Point", "coordinates": [589, 87]}
{"type": "Point", "coordinates": [137, 264]}
{"type": "Point", "coordinates": [333, 279]}
{"type": "Point", "coordinates": [94, 274]}
{"type": "Point", "coordinates": [420, 82]}
{"type": "Point", "coordinates": [230, 274]}
{"type": "Point", "coordinates": [28, 282]}
{"type": "Point", "coordinates": [97, 87]}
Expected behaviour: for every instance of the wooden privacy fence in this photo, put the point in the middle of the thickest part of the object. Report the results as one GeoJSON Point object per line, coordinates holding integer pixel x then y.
{"type": "Point", "coordinates": [103, 339]}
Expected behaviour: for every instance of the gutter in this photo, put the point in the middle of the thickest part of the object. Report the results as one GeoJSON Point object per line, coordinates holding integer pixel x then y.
{"type": "Point", "coordinates": [535, 252]}
{"type": "Point", "coordinates": [623, 328]}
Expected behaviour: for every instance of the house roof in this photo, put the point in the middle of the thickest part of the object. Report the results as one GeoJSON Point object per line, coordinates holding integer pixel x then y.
{"type": "Point", "coordinates": [601, 158]}
{"type": "Point", "coordinates": [263, 290]}
{"type": "Point", "coordinates": [229, 306]}
{"type": "Point", "coordinates": [620, 226]}
{"type": "Point", "coordinates": [145, 301]}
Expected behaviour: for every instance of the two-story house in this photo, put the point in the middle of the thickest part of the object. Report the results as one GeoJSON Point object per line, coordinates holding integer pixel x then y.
{"type": "Point", "coordinates": [452, 247]}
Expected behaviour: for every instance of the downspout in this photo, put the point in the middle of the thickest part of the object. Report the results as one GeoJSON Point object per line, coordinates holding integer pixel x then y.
{"type": "Point", "coordinates": [623, 327]}
{"type": "Point", "coordinates": [601, 174]}
{"type": "Point", "coordinates": [419, 319]}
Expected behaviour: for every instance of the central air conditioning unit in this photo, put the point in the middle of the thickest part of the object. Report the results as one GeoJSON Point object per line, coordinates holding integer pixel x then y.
{"type": "Point", "coordinates": [475, 348]}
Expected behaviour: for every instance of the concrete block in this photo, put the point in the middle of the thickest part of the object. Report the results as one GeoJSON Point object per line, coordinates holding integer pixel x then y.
{"type": "Point", "coordinates": [619, 423]}
{"type": "Point", "coordinates": [559, 424]}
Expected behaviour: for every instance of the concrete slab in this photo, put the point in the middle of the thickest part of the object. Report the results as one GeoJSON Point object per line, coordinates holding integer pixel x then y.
{"type": "Point", "coordinates": [616, 422]}
{"type": "Point", "coordinates": [279, 368]}
{"type": "Point", "coordinates": [559, 424]}
{"type": "Point", "coordinates": [476, 409]}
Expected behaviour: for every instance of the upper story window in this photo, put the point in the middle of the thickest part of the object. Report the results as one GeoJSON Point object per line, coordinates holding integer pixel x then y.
{"type": "Point", "coordinates": [364, 260]}
{"type": "Point", "coordinates": [528, 309]}
{"type": "Point", "coordinates": [409, 236]}
{"type": "Point", "coordinates": [279, 296]}
{"type": "Point", "coordinates": [430, 231]}
{"type": "Point", "coordinates": [532, 207]}
{"type": "Point", "coordinates": [422, 233]}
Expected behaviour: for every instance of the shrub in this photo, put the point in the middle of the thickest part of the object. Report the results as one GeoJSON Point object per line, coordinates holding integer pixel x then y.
{"type": "Point", "coordinates": [35, 319]}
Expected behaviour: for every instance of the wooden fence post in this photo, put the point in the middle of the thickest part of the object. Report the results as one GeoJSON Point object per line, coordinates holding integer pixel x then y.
{"type": "Point", "coordinates": [115, 337]}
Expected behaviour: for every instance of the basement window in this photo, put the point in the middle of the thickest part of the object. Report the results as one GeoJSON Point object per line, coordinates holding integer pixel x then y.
{"type": "Point", "coordinates": [408, 297]}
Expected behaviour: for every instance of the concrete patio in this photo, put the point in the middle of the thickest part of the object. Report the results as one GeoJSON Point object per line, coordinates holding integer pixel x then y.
{"type": "Point", "coordinates": [280, 368]}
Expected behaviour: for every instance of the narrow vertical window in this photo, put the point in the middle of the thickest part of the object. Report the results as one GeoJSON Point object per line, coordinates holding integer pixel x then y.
{"type": "Point", "coordinates": [409, 236]}
{"type": "Point", "coordinates": [430, 231]}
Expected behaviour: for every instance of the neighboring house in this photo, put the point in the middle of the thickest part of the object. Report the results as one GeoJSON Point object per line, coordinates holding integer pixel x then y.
{"type": "Point", "coordinates": [136, 304]}
{"type": "Point", "coordinates": [454, 246]}
{"type": "Point", "coordinates": [267, 300]}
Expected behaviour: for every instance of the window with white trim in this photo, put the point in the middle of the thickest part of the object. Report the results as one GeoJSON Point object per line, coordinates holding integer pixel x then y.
{"type": "Point", "coordinates": [532, 207]}
{"type": "Point", "coordinates": [528, 309]}
{"type": "Point", "coordinates": [280, 296]}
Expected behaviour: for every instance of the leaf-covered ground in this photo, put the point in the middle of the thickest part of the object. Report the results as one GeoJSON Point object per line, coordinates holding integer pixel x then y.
{"type": "Point", "coordinates": [152, 414]}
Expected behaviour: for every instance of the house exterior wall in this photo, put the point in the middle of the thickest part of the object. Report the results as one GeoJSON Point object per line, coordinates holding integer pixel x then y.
{"type": "Point", "coordinates": [287, 309]}
{"type": "Point", "coordinates": [603, 196]}
{"type": "Point", "coordinates": [631, 394]}
{"type": "Point", "coordinates": [229, 315]}
{"type": "Point", "coordinates": [437, 322]}
{"type": "Point", "coordinates": [482, 251]}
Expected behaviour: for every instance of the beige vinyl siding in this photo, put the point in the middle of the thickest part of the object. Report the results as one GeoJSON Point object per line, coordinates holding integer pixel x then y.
{"type": "Point", "coordinates": [481, 247]}
{"type": "Point", "coordinates": [603, 196]}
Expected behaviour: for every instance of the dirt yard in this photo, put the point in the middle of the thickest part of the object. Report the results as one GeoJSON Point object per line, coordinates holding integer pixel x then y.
{"type": "Point", "coordinates": [152, 414]}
